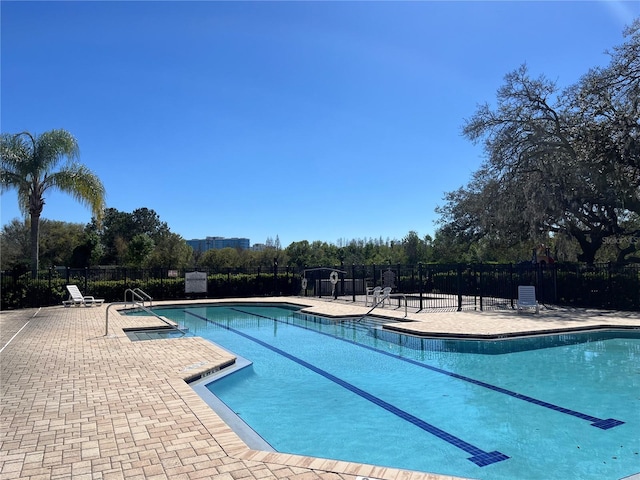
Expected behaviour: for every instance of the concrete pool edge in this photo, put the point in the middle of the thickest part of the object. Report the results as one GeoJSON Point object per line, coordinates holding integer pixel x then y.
{"type": "Point", "coordinates": [507, 336]}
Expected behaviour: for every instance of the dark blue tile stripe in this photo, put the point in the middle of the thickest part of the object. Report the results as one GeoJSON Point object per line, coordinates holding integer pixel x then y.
{"type": "Point", "coordinates": [478, 456]}
{"type": "Point", "coordinates": [603, 424]}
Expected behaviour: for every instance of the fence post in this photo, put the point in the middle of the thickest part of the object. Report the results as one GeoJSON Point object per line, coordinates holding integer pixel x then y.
{"type": "Point", "coordinates": [420, 283]}
{"type": "Point", "coordinates": [554, 279]}
{"type": "Point", "coordinates": [480, 286]}
{"type": "Point", "coordinates": [511, 289]}
{"type": "Point", "coordinates": [364, 278]}
{"type": "Point", "coordinates": [539, 280]}
{"type": "Point", "coordinates": [459, 277]}
{"type": "Point", "coordinates": [275, 276]}
{"type": "Point", "coordinates": [610, 294]}
{"type": "Point", "coordinates": [287, 282]}
{"type": "Point", "coordinates": [304, 276]}
{"type": "Point", "coordinates": [353, 280]}
{"type": "Point", "coordinates": [413, 278]}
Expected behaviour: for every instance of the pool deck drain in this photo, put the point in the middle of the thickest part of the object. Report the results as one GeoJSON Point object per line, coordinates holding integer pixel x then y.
{"type": "Point", "coordinates": [78, 404]}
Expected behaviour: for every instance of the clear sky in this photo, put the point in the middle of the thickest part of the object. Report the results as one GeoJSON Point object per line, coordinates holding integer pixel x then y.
{"type": "Point", "coordinates": [302, 120]}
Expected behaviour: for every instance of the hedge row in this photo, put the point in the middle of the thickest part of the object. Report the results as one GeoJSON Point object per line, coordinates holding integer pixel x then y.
{"type": "Point", "coordinates": [26, 292]}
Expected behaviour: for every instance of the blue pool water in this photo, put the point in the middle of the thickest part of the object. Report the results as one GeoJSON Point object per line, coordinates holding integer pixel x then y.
{"type": "Point", "coordinates": [565, 407]}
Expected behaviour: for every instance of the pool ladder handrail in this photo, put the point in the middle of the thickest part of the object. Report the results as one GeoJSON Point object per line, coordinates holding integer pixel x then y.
{"type": "Point", "coordinates": [138, 294]}
{"type": "Point", "coordinates": [394, 295]}
{"type": "Point", "coordinates": [142, 307]}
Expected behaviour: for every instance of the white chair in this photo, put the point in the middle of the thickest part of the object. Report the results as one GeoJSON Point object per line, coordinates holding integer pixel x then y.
{"type": "Point", "coordinates": [385, 295]}
{"type": "Point", "coordinates": [76, 298]}
{"type": "Point", "coordinates": [373, 292]}
{"type": "Point", "coordinates": [527, 298]}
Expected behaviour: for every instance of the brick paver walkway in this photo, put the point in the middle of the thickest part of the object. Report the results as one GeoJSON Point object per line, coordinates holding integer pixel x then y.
{"type": "Point", "coordinates": [77, 403]}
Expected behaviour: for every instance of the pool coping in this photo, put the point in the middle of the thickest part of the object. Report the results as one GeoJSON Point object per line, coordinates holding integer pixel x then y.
{"type": "Point", "coordinates": [510, 335]}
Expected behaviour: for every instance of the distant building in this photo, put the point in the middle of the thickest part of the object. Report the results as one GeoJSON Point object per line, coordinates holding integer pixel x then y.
{"type": "Point", "coordinates": [217, 243]}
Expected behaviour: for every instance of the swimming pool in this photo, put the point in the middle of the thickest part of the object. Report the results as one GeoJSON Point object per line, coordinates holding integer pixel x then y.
{"type": "Point", "coordinates": [557, 407]}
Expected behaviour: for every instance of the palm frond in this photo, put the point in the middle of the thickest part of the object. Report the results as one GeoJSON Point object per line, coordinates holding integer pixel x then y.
{"type": "Point", "coordinates": [52, 146]}
{"type": "Point", "coordinates": [82, 184]}
{"type": "Point", "coordinates": [14, 152]}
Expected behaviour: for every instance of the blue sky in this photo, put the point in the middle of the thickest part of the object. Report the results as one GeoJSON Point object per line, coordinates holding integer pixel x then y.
{"type": "Point", "coordinates": [303, 120]}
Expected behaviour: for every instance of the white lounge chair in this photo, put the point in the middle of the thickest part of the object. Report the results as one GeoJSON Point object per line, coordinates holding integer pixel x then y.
{"type": "Point", "coordinates": [76, 298]}
{"type": "Point", "coordinates": [527, 298]}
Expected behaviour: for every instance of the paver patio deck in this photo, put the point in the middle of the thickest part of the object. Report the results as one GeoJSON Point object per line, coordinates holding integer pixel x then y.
{"type": "Point", "coordinates": [77, 403]}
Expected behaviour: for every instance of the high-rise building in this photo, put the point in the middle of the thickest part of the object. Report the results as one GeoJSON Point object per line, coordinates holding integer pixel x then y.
{"type": "Point", "coordinates": [216, 243]}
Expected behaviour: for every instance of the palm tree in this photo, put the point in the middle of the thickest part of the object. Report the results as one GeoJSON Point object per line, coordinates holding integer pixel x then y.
{"type": "Point", "coordinates": [27, 163]}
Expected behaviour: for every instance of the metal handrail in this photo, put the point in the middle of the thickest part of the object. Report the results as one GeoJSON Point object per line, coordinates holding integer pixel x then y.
{"type": "Point", "coordinates": [144, 294]}
{"type": "Point", "coordinates": [141, 306]}
{"type": "Point", "coordinates": [398, 295]}
{"type": "Point", "coordinates": [393, 295]}
{"type": "Point", "coordinates": [139, 294]}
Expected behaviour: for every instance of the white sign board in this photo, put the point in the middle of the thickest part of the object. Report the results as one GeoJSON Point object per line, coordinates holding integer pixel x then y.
{"type": "Point", "coordinates": [195, 282]}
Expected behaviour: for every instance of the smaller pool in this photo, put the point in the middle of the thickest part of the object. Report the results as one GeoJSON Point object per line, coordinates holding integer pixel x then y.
{"type": "Point", "coordinates": [140, 334]}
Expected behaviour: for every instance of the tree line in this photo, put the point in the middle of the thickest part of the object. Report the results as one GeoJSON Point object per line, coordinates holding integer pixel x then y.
{"type": "Point", "coordinates": [141, 239]}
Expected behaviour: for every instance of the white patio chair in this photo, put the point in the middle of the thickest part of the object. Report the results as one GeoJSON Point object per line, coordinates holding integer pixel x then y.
{"type": "Point", "coordinates": [374, 293]}
{"type": "Point", "coordinates": [385, 296]}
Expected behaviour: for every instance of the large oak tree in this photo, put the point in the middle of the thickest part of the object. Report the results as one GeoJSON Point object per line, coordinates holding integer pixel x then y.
{"type": "Point", "coordinates": [558, 162]}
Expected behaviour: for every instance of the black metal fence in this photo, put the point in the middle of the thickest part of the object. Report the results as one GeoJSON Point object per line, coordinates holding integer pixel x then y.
{"type": "Point", "coordinates": [489, 286]}
{"type": "Point", "coordinates": [424, 286]}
